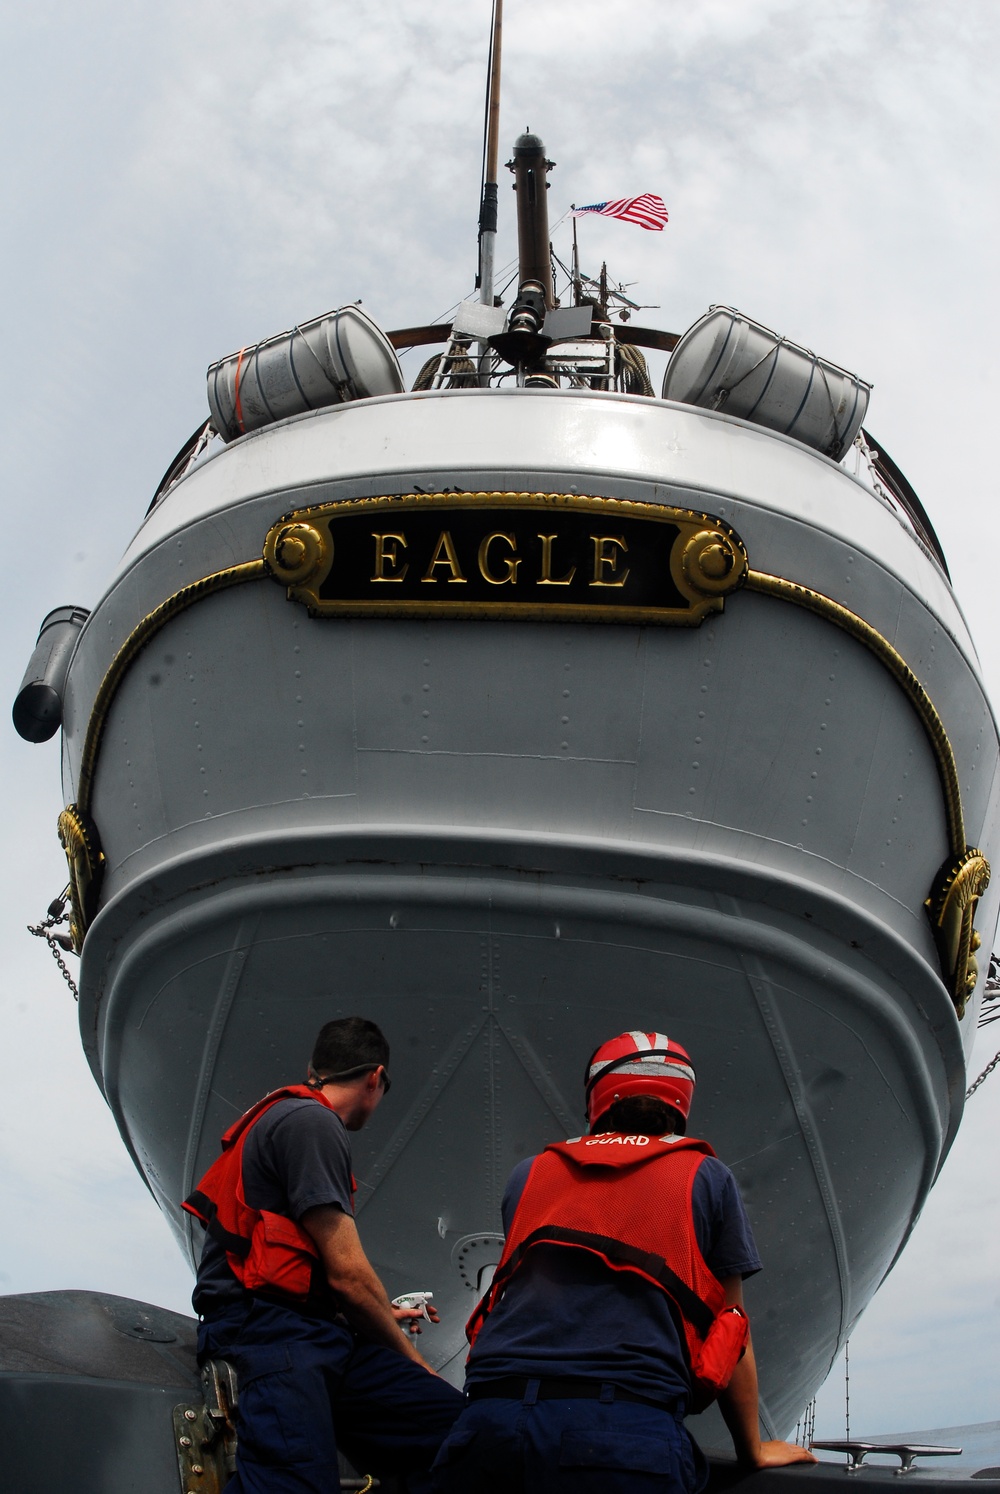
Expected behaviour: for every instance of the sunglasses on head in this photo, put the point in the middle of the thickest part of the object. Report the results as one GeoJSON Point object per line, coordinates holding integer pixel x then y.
{"type": "Point", "coordinates": [347, 1074]}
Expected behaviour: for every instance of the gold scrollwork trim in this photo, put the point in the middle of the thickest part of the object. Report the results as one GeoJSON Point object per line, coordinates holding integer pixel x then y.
{"type": "Point", "coordinates": [962, 881]}
{"type": "Point", "coordinates": [707, 563]}
{"type": "Point", "coordinates": [77, 831]}
{"type": "Point", "coordinates": [141, 634]}
{"type": "Point", "coordinates": [951, 909]}
{"type": "Point", "coordinates": [78, 837]}
{"type": "Point", "coordinates": [297, 551]}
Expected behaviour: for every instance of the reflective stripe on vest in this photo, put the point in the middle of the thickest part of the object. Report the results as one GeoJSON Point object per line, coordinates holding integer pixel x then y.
{"type": "Point", "coordinates": [627, 1200]}
{"type": "Point", "coordinates": [266, 1252]}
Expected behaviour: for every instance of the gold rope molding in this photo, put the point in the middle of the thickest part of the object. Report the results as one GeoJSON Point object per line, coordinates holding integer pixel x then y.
{"type": "Point", "coordinates": [141, 634]}
{"type": "Point", "coordinates": [950, 907]}
{"type": "Point", "coordinates": [850, 622]}
{"type": "Point", "coordinates": [963, 879]}
{"type": "Point", "coordinates": [77, 831]}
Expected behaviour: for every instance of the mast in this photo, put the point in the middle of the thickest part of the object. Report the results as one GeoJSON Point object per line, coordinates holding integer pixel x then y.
{"type": "Point", "coordinates": [488, 206]}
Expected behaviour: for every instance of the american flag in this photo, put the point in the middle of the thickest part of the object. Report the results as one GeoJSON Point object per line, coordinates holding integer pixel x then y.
{"type": "Point", "coordinates": [648, 211]}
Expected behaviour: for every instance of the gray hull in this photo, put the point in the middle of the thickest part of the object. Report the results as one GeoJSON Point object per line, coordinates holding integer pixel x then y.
{"type": "Point", "coordinates": [88, 1387]}
{"type": "Point", "coordinates": [506, 839]}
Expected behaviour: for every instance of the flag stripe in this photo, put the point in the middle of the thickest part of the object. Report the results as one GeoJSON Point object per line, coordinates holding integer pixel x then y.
{"type": "Point", "coordinates": [648, 210]}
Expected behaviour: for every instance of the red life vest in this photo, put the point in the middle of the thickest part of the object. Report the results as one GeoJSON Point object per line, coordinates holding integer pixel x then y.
{"type": "Point", "coordinates": [627, 1200]}
{"type": "Point", "coordinates": [266, 1252]}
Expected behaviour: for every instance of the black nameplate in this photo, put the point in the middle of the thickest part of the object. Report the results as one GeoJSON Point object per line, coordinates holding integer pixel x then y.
{"type": "Point", "coordinates": [508, 555]}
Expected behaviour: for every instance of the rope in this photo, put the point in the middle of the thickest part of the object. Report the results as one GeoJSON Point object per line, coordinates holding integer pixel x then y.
{"type": "Point", "coordinates": [463, 374]}
{"type": "Point", "coordinates": [632, 370]}
{"type": "Point", "coordinates": [459, 371]}
{"type": "Point", "coordinates": [425, 377]}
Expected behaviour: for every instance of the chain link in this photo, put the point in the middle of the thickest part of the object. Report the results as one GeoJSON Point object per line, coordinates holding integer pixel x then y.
{"type": "Point", "coordinates": [990, 1009]}
{"type": "Point", "coordinates": [56, 915]}
{"type": "Point", "coordinates": [990, 995]}
{"type": "Point", "coordinates": [984, 1075]}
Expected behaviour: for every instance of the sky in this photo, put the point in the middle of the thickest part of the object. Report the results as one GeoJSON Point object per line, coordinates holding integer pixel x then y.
{"type": "Point", "coordinates": [180, 179]}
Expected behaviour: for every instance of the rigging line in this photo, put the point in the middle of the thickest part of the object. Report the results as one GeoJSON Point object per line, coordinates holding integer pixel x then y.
{"type": "Point", "coordinates": [508, 284]}
{"type": "Point", "coordinates": [513, 264]}
{"type": "Point", "coordinates": [444, 317]}
{"type": "Point", "coordinates": [564, 268]}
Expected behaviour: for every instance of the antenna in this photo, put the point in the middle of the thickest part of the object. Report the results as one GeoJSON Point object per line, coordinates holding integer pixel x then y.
{"type": "Point", "coordinates": [488, 206]}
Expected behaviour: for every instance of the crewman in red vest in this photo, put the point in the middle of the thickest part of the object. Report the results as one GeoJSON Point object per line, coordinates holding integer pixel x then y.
{"type": "Point", "coordinates": [617, 1305]}
{"type": "Point", "coordinates": [286, 1293]}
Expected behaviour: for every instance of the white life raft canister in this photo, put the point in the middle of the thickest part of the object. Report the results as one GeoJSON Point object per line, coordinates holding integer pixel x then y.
{"type": "Point", "coordinates": [333, 358]}
{"type": "Point", "coordinates": [729, 362]}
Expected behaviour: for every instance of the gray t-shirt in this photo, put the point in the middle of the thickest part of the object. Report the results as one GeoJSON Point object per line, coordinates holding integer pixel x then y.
{"type": "Point", "coordinates": [296, 1157]}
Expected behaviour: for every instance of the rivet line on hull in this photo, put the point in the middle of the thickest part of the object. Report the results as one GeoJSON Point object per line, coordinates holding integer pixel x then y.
{"type": "Point", "coordinates": [961, 881]}
{"type": "Point", "coordinates": [850, 622]}
{"type": "Point", "coordinates": [957, 886]}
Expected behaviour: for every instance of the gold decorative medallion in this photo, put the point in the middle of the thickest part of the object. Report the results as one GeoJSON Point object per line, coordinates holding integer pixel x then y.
{"type": "Point", "coordinates": [951, 909]}
{"type": "Point", "coordinates": [79, 839]}
{"type": "Point", "coordinates": [297, 552]}
{"type": "Point", "coordinates": [558, 556]}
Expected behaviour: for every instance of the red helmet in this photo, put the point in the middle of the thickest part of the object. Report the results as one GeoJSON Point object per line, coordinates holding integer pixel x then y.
{"type": "Point", "coordinates": [639, 1063]}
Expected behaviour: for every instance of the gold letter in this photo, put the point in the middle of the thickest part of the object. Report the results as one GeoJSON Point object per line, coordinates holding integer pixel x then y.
{"type": "Point", "coordinates": [509, 562]}
{"type": "Point", "coordinates": [546, 576]}
{"type": "Point", "coordinates": [387, 554]}
{"type": "Point", "coordinates": [449, 558]}
{"type": "Point", "coordinates": [602, 558]}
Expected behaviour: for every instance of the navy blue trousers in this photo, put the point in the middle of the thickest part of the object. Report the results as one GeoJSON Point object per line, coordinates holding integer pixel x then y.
{"type": "Point", "coordinates": [568, 1447]}
{"type": "Point", "coordinates": [308, 1386]}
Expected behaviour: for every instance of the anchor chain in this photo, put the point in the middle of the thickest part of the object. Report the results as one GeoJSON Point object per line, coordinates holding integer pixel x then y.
{"type": "Point", "coordinates": [984, 1075]}
{"type": "Point", "coordinates": [55, 915]}
{"type": "Point", "coordinates": [990, 1013]}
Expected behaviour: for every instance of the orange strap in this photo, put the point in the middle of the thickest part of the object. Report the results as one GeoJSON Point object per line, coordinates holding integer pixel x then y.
{"type": "Point", "coordinates": [239, 407]}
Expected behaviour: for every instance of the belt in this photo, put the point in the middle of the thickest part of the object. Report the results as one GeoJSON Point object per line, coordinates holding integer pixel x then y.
{"type": "Point", "coordinates": [563, 1388]}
